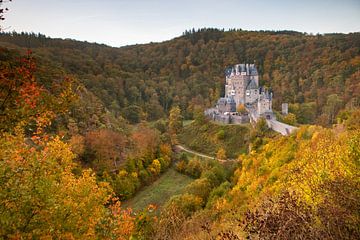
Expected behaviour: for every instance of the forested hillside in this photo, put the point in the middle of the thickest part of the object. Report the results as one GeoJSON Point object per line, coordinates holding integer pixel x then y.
{"type": "Point", "coordinates": [303, 186]}
{"type": "Point", "coordinates": [65, 160]}
{"type": "Point", "coordinates": [317, 74]}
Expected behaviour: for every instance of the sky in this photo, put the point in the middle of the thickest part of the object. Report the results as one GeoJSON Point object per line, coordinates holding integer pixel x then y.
{"type": "Point", "coordinates": [126, 22]}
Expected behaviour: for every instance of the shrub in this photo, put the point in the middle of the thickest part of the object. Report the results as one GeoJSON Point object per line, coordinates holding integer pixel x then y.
{"type": "Point", "coordinates": [216, 175]}
{"type": "Point", "coordinates": [181, 166]}
{"type": "Point", "coordinates": [200, 187]}
{"type": "Point", "coordinates": [217, 193]}
{"type": "Point", "coordinates": [186, 203]}
{"type": "Point", "coordinates": [194, 168]}
{"type": "Point", "coordinates": [220, 134]}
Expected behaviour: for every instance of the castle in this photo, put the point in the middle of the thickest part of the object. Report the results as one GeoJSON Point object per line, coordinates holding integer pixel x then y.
{"type": "Point", "coordinates": [242, 88]}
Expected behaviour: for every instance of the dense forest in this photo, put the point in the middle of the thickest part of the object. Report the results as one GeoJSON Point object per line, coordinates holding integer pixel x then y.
{"type": "Point", "coordinates": [317, 74]}
{"type": "Point", "coordinates": [84, 127]}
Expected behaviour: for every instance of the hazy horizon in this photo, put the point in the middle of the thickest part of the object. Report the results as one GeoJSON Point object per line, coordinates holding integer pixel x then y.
{"type": "Point", "coordinates": [120, 23]}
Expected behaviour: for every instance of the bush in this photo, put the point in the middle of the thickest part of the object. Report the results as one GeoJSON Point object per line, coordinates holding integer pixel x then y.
{"type": "Point", "coordinates": [186, 203]}
{"type": "Point", "coordinates": [125, 185]}
{"type": "Point", "coordinates": [154, 168]}
{"type": "Point", "coordinates": [194, 168]}
{"type": "Point", "coordinates": [220, 134]}
{"type": "Point", "coordinates": [217, 193]}
{"type": "Point", "coordinates": [144, 176]}
{"type": "Point", "coordinates": [181, 166]}
{"type": "Point", "coordinates": [200, 187]}
{"type": "Point", "coordinates": [220, 174]}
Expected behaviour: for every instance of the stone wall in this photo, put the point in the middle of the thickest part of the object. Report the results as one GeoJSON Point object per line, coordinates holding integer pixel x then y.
{"type": "Point", "coordinates": [240, 119]}
{"type": "Point", "coordinates": [214, 115]}
{"type": "Point", "coordinates": [282, 128]}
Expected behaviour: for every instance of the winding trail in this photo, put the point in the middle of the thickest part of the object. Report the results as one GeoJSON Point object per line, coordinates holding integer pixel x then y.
{"type": "Point", "coordinates": [182, 148]}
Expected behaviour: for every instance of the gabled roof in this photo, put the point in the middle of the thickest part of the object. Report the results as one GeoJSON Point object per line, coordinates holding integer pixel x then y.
{"type": "Point", "coordinates": [250, 69]}
{"type": "Point", "coordinates": [251, 85]}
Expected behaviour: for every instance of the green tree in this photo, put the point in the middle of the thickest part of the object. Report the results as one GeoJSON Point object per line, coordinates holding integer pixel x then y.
{"type": "Point", "coordinates": [132, 113]}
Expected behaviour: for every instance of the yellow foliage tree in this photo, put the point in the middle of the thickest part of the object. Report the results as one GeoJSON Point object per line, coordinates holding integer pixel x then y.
{"type": "Point", "coordinates": [40, 197]}
{"type": "Point", "coordinates": [175, 124]}
{"type": "Point", "coordinates": [221, 154]}
{"type": "Point", "coordinates": [155, 167]}
{"type": "Point", "coordinates": [290, 119]}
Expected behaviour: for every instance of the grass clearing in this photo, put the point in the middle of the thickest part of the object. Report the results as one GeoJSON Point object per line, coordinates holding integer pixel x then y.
{"type": "Point", "coordinates": [169, 184]}
{"type": "Point", "coordinates": [208, 137]}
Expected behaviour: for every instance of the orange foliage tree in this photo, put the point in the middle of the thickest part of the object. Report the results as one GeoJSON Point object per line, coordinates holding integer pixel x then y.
{"type": "Point", "coordinates": [108, 147]}
{"type": "Point", "coordinates": [23, 101]}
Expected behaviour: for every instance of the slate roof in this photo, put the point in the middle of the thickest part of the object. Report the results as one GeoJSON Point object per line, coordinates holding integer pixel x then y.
{"type": "Point", "coordinates": [251, 85]}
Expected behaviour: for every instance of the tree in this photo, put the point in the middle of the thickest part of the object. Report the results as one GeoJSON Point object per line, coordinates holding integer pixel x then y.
{"type": "Point", "coordinates": [282, 218]}
{"type": "Point", "coordinates": [23, 100]}
{"type": "Point", "coordinates": [290, 119]}
{"type": "Point", "coordinates": [221, 154]}
{"type": "Point", "coordinates": [108, 148]}
{"type": "Point", "coordinates": [194, 168]}
{"type": "Point", "coordinates": [200, 187]}
{"type": "Point", "coordinates": [332, 107]}
{"type": "Point", "coordinates": [155, 167]}
{"type": "Point", "coordinates": [40, 197]}
{"type": "Point", "coordinates": [145, 141]}
{"type": "Point", "coordinates": [132, 113]}
{"type": "Point", "coordinates": [175, 123]}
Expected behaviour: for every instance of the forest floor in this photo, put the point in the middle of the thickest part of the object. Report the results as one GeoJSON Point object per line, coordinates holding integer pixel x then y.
{"type": "Point", "coordinates": [159, 192]}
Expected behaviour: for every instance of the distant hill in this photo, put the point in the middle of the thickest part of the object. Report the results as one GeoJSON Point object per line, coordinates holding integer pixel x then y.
{"type": "Point", "coordinates": [317, 74]}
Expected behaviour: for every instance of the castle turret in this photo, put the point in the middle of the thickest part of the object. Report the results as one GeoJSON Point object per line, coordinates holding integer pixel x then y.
{"type": "Point", "coordinates": [264, 103]}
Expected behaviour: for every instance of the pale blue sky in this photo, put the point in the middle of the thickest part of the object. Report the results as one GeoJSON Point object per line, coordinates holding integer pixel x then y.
{"type": "Point", "coordinates": [124, 22]}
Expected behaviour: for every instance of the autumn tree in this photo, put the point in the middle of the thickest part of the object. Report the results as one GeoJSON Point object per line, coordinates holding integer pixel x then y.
{"type": "Point", "coordinates": [108, 148]}
{"type": "Point", "coordinates": [145, 141]}
{"type": "Point", "coordinates": [290, 119]}
{"type": "Point", "coordinates": [42, 198]}
{"type": "Point", "coordinates": [175, 124]}
{"type": "Point", "coordinates": [221, 154]}
{"type": "Point", "coordinates": [26, 102]}
{"type": "Point", "coordinates": [332, 107]}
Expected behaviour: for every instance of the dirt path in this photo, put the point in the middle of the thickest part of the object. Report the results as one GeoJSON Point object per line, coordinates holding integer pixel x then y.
{"type": "Point", "coordinates": [182, 148]}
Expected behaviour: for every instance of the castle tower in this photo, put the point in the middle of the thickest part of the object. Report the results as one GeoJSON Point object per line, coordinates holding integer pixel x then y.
{"type": "Point", "coordinates": [285, 109]}
{"type": "Point", "coordinates": [238, 79]}
{"type": "Point", "coordinates": [264, 103]}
